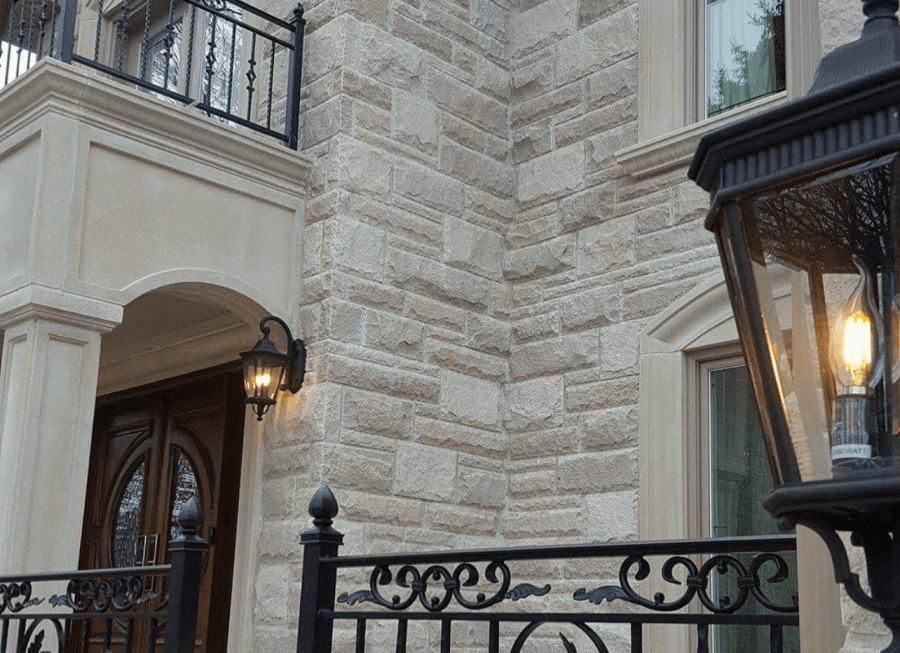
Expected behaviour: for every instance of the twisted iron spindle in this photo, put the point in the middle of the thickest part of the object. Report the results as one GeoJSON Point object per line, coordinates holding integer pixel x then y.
{"type": "Point", "coordinates": [99, 27]}
{"type": "Point", "coordinates": [210, 59]}
{"type": "Point", "coordinates": [190, 51]}
{"type": "Point", "coordinates": [145, 39]}
{"type": "Point", "coordinates": [271, 79]}
{"type": "Point", "coordinates": [42, 23]}
{"type": "Point", "coordinates": [168, 42]}
{"type": "Point", "coordinates": [251, 75]}
{"type": "Point", "coordinates": [122, 35]}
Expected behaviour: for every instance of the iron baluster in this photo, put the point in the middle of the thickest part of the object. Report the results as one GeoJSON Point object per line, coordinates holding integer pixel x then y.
{"type": "Point", "coordinates": [151, 645]}
{"type": "Point", "coordinates": [6, 39]}
{"type": "Point", "coordinates": [637, 637]}
{"type": "Point", "coordinates": [168, 41]}
{"type": "Point", "coordinates": [494, 636]}
{"type": "Point", "coordinates": [42, 23]}
{"type": "Point", "coordinates": [85, 636]}
{"type": "Point", "coordinates": [210, 58]}
{"type": "Point", "coordinates": [231, 65]}
{"type": "Point", "coordinates": [145, 40]}
{"type": "Point", "coordinates": [251, 74]}
{"type": "Point", "coordinates": [129, 631]}
{"type": "Point", "coordinates": [97, 33]}
{"type": "Point", "coordinates": [776, 639]}
{"type": "Point", "coordinates": [190, 51]}
{"type": "Point", "coordinates": [50, 48]}
{"type": "Point", "coordinates": [30, 36]}
{"type": "Point", "coordinates": [271, 79]}
{"type": "Point", "coordinates": [21, 37]}
{"type": "Point", "coordinates": [702, 638]}
{"type": "Point", "coordinates": [401, 636]}
{"type": "Point", "coordinates": [122, 35]}
{"type": "Point", "coordinates": [295, 73]}
{"type": "Point", "coordinates": [361, 636]}
{"type": "Point", "coordinates": [107, 634]}
{"type": "Point", "coordinates": [445, 636]}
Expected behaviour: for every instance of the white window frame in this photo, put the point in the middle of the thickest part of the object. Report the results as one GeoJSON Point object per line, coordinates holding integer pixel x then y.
{"type": "Point", "coordinates": [671, 118]}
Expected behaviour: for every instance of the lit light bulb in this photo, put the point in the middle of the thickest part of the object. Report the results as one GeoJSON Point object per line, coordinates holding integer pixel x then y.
{"type": "Point", "coordinates": [262, 380]}
{"type": "Point", "coordinates": [857, 348]}
{"type": "Point", "coordinates": [856, 342]}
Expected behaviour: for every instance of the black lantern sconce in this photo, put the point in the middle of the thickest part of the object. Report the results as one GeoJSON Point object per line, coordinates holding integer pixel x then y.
{"type": "Point", "coordinates": [267, 370]}
{"type": "Point", "coordinates": [806, 213]}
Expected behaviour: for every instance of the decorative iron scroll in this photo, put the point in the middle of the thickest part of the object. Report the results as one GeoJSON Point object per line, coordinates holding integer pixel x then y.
{"type": "Point", "coordinates": [697, 584]}
{"type": "Point", "coordinates": [15, 597]}
{"type": "Point", "coordinates": [437, 586]}
{"type": "Point", "coordinates": [118, 594]}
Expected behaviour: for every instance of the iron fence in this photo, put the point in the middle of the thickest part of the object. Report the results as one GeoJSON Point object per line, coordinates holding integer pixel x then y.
{"type": "Point", "coordinates": [710, 586]}
{"type": "Point", "coordinates": [123, 610]}
{"type": "Point", "coordinates": [228, 59]}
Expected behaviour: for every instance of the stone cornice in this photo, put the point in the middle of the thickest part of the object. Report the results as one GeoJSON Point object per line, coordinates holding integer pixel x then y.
{"type": "Point", "coordinates": [40, 302]}
{"type": "Point", "coordinates": [116, 108]}
{"type": "Point", "coordinates": [676, 149]}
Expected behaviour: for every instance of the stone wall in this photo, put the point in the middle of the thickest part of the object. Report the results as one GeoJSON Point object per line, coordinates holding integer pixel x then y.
{"type": "Point", "coordinates": [478, 270]}
{"type": "Point", "coordinates": [405, 309]}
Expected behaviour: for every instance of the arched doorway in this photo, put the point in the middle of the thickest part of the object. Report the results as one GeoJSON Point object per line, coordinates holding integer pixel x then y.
{"type": "Point", "coordinates": [169, 425]}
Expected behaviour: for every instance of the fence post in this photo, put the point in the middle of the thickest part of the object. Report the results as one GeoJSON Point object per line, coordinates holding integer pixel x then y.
{"type": "Point", "coordinates": [318, 583]}
{"type": "Point", "coordinates": [67, 30]}
{"type": "Point", "coordinates": [295, 72]}
{"type": "Point", "coordinates": [186, 556]}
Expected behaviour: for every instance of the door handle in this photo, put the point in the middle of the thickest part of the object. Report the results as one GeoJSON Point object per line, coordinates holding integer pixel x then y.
{"type": "Point", "coordinates": [153, 546]}
{"type": "Point", "coordinates": [140, 551]}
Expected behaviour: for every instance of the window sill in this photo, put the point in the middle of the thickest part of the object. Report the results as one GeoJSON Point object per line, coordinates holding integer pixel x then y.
{"type": "Point", "coordinates": [676, 149]}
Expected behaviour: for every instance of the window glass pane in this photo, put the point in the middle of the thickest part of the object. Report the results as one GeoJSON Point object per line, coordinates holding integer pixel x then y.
{"type": "Point", "coordinates": [184, 487]}
{"type": "Point", "coordinates": [163, 58]}
{"type": "Point", "coordinates": [744, 51]}
{"type": "Point", "coordinates": [739, 481]}
{"type": "Point", "coordinates": [129, 509]}
{"type": "Point", "coordinates": [222, 66]}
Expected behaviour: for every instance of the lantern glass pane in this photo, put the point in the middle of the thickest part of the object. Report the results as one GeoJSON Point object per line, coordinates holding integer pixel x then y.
{"type": "Point", "coordinates": [262, 376]}
{"type": "Point", "coordinates": [822, 257]}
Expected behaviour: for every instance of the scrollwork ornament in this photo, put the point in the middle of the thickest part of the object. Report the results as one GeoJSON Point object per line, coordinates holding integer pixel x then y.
{"type": "Point", "coordinates": [92, 595]}
{"type": "Point", "coordinates": [437, 586]}
{"type": "Point", "coordinates": [15, 597]}
{"type": "Point", "coordinates": [696, 584]}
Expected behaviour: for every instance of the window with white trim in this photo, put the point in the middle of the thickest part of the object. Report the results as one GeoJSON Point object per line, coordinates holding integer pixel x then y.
{"type": "Point", "coordinates": [744, 52]}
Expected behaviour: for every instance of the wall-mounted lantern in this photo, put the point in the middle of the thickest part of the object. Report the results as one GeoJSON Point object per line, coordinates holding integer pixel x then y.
{"type": "Point", "coordinates": [806, 213]}
{"type": "Point", "coordinates": [267, 370]}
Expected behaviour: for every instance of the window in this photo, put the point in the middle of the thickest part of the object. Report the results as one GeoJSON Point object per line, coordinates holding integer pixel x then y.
{"type": "Point", "coordinates": [673, 108]}
{"type": "Point", "coordinates": [739, 479]}
{"type": "Point", "coordinates": [679, 349]}
{"type": "Point", "coordinates": [744, 52]}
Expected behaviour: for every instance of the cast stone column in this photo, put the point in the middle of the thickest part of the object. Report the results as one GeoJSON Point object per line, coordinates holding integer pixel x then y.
{"type": "Point", "coordinates": [48, 386]}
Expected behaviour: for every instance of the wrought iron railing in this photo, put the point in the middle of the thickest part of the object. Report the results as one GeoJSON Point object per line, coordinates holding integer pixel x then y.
{"type": "Point", "coordinates": [123, 610]}
{"type": "Point", "coordinates": [227, 58]}
{"type": "Point", "coordinates": [718, 584]}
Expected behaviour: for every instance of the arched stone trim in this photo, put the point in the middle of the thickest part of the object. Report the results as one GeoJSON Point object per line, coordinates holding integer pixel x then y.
{"type": "Point", "coordinates": [237, 295]}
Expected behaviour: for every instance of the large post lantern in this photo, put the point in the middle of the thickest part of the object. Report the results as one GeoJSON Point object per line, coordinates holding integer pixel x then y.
{"type": "Point", "coordinates": [806, 213]}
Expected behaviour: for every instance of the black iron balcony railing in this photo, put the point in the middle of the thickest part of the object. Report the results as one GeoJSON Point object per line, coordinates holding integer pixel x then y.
{"type": "Point", "coordinates": [150, 609]}
{"type": "Point", "coordinates": [227, 58]}
{"type": "Point", "coordinates": [713, 586]}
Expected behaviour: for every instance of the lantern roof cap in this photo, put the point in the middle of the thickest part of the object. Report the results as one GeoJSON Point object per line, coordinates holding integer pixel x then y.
{"type": "Point", "coordinates": [850, 111]}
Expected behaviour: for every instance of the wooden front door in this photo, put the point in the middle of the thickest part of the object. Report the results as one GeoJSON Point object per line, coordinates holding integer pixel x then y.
{"type": "Point", "coordinates": [153, 449]}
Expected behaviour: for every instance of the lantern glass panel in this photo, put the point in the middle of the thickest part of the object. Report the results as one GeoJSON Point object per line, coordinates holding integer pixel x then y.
{"type": "Point", "coordinates": [262, 376]}
{"type": "Point", "coordinates": [813, 270]}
